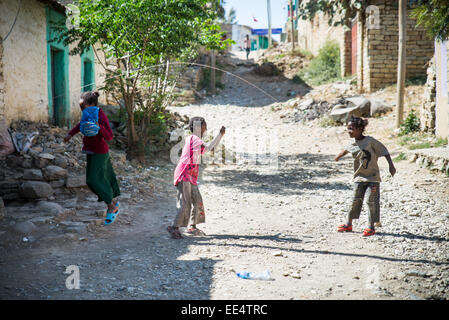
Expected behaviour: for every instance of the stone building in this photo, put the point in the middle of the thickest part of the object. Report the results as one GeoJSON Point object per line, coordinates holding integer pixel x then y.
{"type": "Point", "coordinates": [369, 50]}
{"type": "Point", "coordinates": [39, 80]}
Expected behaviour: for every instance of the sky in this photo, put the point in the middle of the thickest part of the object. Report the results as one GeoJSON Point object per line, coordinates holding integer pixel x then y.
{"type": "Point", "coordinates": [247, 9]}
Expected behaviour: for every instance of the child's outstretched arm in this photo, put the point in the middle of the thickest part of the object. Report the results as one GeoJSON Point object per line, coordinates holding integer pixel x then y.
{"type": "Point", "coordinates": [341, 154]}
{"type": "Point", "coordinates": [216, 140]}
{"type": "Point", "coordinates": [390, 163]}
{"type": "Point", "coordinates": [71, 133]}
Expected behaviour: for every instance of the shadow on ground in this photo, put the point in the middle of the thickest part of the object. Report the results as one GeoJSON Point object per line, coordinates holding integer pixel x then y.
{"type": "Point", "coordinates": [291, 175]}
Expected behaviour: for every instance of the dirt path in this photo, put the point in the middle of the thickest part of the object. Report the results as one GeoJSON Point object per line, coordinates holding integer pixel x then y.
{"type": "Point", "coordinates": [278, 214]}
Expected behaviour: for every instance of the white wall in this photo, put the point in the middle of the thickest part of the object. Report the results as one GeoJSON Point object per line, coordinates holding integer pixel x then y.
{"type": "Point", "coordinates": [24, 60]}
{"type": "Point", "coordinates": [25, 64]}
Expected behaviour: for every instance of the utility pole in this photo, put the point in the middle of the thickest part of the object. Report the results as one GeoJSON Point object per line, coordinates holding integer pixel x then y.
{"type": "Point", "coordinates": [401, 61]}
{"type": "Point", "coordinates": [293, 25]}
{"type": "Point", "coordinates": [213, 61]}
{"type": "Point", "coordinates": [269, 23]}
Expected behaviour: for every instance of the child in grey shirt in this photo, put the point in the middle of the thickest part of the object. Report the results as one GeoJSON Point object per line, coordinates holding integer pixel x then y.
{"type": "Point", "coordinates": [365, 150]}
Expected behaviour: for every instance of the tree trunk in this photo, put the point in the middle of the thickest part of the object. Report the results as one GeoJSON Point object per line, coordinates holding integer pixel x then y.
{"type": "Point", "coordinates": [135, 150]}
{"type": "Point", "coordinates": [212, 71]}
{"type": "Point", "coordinates": [401, 61]}
{"type": "Point", "coordinates": [293, 25]}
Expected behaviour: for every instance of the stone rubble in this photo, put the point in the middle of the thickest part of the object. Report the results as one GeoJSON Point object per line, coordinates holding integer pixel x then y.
{"type": "Point", "coordinates": [46, 186]}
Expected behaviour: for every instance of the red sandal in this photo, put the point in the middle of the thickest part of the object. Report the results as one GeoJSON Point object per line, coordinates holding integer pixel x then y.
{"type": "Point", "coordinates": [345, 228]}
{"type": "Point", "coordinates": [368, 232]}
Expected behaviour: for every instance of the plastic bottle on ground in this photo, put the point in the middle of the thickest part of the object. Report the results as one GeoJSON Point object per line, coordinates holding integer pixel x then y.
{"type": "Point", "coordinates": [255, 276]}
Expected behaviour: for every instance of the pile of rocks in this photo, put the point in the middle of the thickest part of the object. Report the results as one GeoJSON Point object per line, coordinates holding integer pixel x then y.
{"type": "Point", "coordinates": [43, 191]}
{"type": "Point", "coordinates": [280, 60]}
{"type": "Point", "coordinates": [339, 111]}
{"type": "Point", "coordinates": [42, 171]}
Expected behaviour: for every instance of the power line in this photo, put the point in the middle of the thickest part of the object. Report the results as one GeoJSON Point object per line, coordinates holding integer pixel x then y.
{"type": "Point", "coordinates": [14, 23]}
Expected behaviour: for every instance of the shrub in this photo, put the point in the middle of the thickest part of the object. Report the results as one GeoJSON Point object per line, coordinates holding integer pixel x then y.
{"type": "Point", "coordinates": [325, 67]}
{"type": "Point", "coordinates": [410, 124]}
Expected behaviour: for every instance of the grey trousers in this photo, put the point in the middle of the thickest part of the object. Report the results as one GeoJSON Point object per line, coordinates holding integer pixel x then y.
{"type": "Point", "coordinates": [373, 201]}
{"type": "Point", "coordinates": [189, 205]}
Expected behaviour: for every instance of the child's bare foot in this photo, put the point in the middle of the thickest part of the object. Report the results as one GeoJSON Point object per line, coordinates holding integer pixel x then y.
{"type": "Point", "coordinates": [174, 232]}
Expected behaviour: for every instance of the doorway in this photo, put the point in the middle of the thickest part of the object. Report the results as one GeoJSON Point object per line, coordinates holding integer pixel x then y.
{"type": "Point", "coordinates": [88, 76]}
{"type": "Point", "coordinates": [58, 87]}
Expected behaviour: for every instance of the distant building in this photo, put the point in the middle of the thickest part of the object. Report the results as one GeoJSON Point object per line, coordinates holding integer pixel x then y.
{"type": "Point", "coordinates": [238, 32]}
{"type": "Point", "coordinates": [369, 50]}
{"type": "Point", "coordinates": [39, 80]}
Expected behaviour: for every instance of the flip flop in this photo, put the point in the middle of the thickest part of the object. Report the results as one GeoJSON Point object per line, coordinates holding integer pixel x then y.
{"type": "Point", "coordinates": [110, 216]}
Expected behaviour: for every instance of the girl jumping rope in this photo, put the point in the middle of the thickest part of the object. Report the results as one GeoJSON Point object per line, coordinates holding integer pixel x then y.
{"type": "Point", "coordinates": [185, 179]}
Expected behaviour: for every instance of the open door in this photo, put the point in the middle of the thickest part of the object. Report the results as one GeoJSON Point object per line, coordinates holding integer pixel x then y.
{"type": "Point", "coordinates": [58, 87]}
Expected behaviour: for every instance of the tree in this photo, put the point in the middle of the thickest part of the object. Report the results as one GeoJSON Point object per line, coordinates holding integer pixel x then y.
{"type": "Point", "coordinates": [138, 37]}
{"type": "Point", "coordinates": [231, 16]}
{"type": "Point", "coordinates": [433, 15]}
{"type": "Point", "coordinates": [339, 12]}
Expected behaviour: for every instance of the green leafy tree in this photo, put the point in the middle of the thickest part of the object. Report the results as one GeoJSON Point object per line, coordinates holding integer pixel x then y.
{"type": "Point", "coordinates": [140, 39]}
{"type": "Point", "coordinates": [433, 15]}
{"type": "Point", "coordinates": [231, 16]}
{"type": "Point", "coordinates": [339, 11]}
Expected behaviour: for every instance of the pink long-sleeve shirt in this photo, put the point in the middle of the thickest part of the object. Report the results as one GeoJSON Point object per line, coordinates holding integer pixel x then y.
{"type": "Point", "coordinates": [97, 144]}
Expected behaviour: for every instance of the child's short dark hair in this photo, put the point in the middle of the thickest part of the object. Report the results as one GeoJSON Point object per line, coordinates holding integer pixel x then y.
{"type": "Point", "coordinates": [90, 98]}
{"type": "Point", "coordinates": [358, 122]}
{"type": "Point", "coordinates": [193, 122]}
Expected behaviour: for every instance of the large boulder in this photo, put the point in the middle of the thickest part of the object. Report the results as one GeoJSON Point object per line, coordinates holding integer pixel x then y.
{"type": "Point", "coordinates": [33, 174]}
{"type": "Point", "coordinates": [357, 106]}
{"type": "Point", "coordinates": [25, 227]}
{"type": "Point", "coordinates": [379, 107]}
{"type": "Point", "coordinates": [35, 190]}
{"type": "Point", "coordinates": [54, 173]}
{"type": "Point", "coordinates": [76, 181]}
{"type": "Point", "coordinates": [361, 103]}
{"type": "Point", "coordinates": [47, 208]}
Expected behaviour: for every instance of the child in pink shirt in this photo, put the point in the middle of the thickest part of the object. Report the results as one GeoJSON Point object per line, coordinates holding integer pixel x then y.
{"type": "Point", "coordinates": [185, 179]}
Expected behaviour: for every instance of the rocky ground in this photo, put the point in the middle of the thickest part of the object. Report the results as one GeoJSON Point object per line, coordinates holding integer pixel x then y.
{"type": "Point", "coordinates": [273, 197]}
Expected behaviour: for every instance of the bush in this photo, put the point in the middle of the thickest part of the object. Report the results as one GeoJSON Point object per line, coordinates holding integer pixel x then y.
{"type": "Point", "coordinates": [410, 124]}
{"type": "Point", "coordinates": [327, 121]}
{"type": "Point", "coordinates": [325, 67]}
{"type": "Point", "coordinates": [400, 157]}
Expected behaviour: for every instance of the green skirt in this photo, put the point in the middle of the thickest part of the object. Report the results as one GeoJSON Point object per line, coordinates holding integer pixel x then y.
{"type": "Point", "coordinates": [100, 177]}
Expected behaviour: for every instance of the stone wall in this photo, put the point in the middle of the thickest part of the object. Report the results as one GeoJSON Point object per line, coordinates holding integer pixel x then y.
{"type": "Point", "coordinates": [2, 85]}
{"type": "Point", "coordinates": [428, 105]}
{"type": "Point", "coordinates": [313, 34]}
{"type": "Point", "coordinates": [382, 48]}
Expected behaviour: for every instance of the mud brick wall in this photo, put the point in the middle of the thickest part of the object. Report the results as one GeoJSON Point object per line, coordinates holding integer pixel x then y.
{"type": "Point", "coordinates": [382, 48]}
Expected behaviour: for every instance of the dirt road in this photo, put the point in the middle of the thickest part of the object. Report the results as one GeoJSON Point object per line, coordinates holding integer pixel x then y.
{"type": "Point", "coordinates": [276, 213]}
